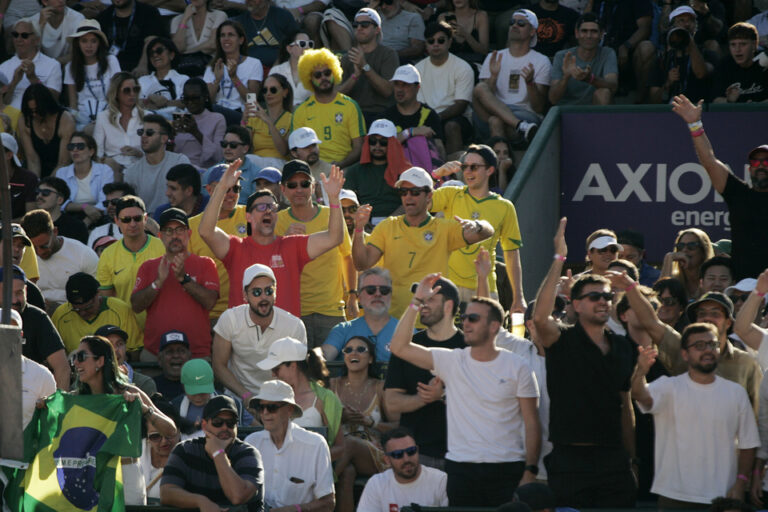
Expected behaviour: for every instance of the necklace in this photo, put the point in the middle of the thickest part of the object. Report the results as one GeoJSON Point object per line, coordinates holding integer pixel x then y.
{"type": "Point", "coordinates": [356, 397]}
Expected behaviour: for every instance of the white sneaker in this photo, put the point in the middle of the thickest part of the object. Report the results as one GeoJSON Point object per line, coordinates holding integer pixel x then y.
{"type": "Point", "coordinates": [527, 130]}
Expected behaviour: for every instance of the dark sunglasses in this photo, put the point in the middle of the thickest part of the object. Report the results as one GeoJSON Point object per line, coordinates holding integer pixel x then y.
{"type": "Point", "coordinates": [759, 163]}
{"type": "Point", "coordinates": [349, 209]}
{"type": "Point", "coordinates": [45, 192]}
{"type": "Point", "coordinates": [371, 289]}
{"type": "Point", "coordinates": [596, 296]}
{"type": "Point", "coordinates": [472, 167]}
{"type": "Point", "coordinates": [364, 24]}
{"type": "Point", "coordinates": [738, 298]}
{"type": "Point", "coordinates": [81, 356]}
{"type": "Point", "coordinates": [304, 184]}
{"type": "Point", "coordinates": [679, 246]}
{"type": "Point", "coordinates": [76, 145]}
{"type": "Point", "coordinates": [23, 35]}
{"type": "Point", "coordinates": [703, 345]}
{"type": "Point", "coordinates": [189, 99]}
{"type": "Point", "coordinates": [218, 422]}
{"type": "Point", "coordinates": [149, 132]}
{"type": "Point", "coordinates": [129, 90]}
{"type": "Point", "coordinates": [438, 40]}
{"type": "Point", "coordinates": [303, 44]}
{"type": "Point", "coordinates": [264, 207]}
{"type": "Point", "coordinates": [668, 301]}
{"type": "Point", "coordinates": [272, 90]}
{"type": "Point", "coordinates": [611, 248]}
{"type": "Point", "coordinates": [359, 350]}
{"type": "Point", "coordinates": [398, 454]}
{"type": "Point", "coordinates": [381, 141]}
{"type": "Point", "coordinates": [472, 317]}
{"type": "Point", "coordinates": [82, 306]}
{"type": "Point", "coordinates": [156, 437]}
{"type": "Point", "coordinates": [135, 218]}
{"type": "Point", "coordinates": [416, 191]}
{"type": "Point", "coordinates": [519, 22]}
{"type": "Point", "coordinates": [317, 75]}
{"type": "Point", "coordinates": [270, 407]}
{"type": "Point", "coordinates": [110, 202]}
{"type": "Point", "coordinates": [268, 291]}
{"type": "Point", "coordinates": [235, 188]}
{"type": "Point", "coordinates": [230, 144]}
{"type": "Point", "coordinates": [157, 51]}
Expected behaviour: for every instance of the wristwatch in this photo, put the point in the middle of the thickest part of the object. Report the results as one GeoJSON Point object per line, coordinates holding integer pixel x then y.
{"type": "Point", "coordinates": [533, 468]}
{"type": "Point", "coordinates": [367, 67]}
{"type": "Point", "coordinates": [187, 278]}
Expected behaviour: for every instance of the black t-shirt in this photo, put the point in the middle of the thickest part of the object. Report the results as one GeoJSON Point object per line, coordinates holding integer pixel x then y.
{"type": "Point", "coordinates": [41, 339]}
{"type": "Point", "coordinates": [428, 423]}
{"type": "Point", "coordinates": [169, 388]}
{"type": "Point", "coordinates": [72, 227]}
{"type": "Point", "coordinates": [128, 34]}
{"type": "Point", "coordinates": [34, 295]}
{"type": "Point", "coordinates": [752, 81]}
{"type": "Point", "coordinates": [425, 116]}
{"type": "Point", "coordinates": [23, 191]}
{"type": "Point", "coordinates": [694, 88]}
{"type": "Point", "coordinates": [748, 212]}
{"type": "Point", "coordinates": [555, 30]}
{"type": "Point", "coordinates": [619, 17]}
{"type": "Point", "coordinates": [584, 387]}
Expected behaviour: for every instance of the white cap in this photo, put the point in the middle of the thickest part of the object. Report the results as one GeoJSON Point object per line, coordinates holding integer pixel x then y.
{"type": "Point", "coordinates": [532, 19]}
{"type": "Point", "coordinates": [383, 127]}
{"type": "Point", "coordinates": [602, 242]}
{"type": "Point", "coordinates": [279, 391]}
{"type": "Point", "coordinates": [15, 317]}
{"type": "Point", "coordinates": [284, 350]}
{"type": "Point", "coordinates": [11, 145]}
{"type": "Point", "coordinates": [348, 194]}
{"type": "Point", "coordinates": [683, 9]}
{"type": "Point", "coordinates": [407, 73]}
{"type": "Point", "coordinates": [415, 176]}
{"type": "Point", "coordinates": [257, 270]}
{"type": "Point", "coordinates": [745, 285]}
{"type": "Point", "coordinates": [302, 137]}
{"type": "Point", "coordinates": [371, 13]}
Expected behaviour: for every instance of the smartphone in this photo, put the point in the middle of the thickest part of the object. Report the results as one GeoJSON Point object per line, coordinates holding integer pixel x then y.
{"type": "Point", "coordinates": [251, 98]}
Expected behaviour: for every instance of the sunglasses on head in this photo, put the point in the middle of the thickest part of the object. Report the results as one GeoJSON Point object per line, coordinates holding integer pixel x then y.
{"type": "Point", "coordinates": [519, 22]}
{"type": "Point", "coordinates": [229, 422]}
{"type": "Point", "coordinates": [149, 132]}
{"type": "Point", "coordinates": [272, 90]}
{"type": "Point", "coordinates": [763, 162]}
{"type": "Point", "coordinates": [293, 184]}
{"type": "Point", "coordinates": [128, 90]}
{"type": "Point", "coordinates": [364, 24]}
{"type": "Point", "coordinates": [76, 145]}
{"type": "Point", "coordinates": [679, 246]}
{"type": "Point", "coordinates": [110, 202]}
{"type": "Point", "coordinates": [135, 218]}
{"type": "Point", "coordinates": [45, 192]}
{"type": "Point", "coordinates": [415, 191]}
{"type": "Point", "coordinates": [231, 144]}
{"type": "Point", "coordinates": [472, 167]}
{"type": "Point", "coordinates": [360, 350]}
{"type": "Point", "coordinates": [438, 40]}
{"type": "Point", "coordinates": [157, 51]}
{"type": "Point", "coordinates": [268, 291]}
{"type": "Point", "coordinates": [381, 141]}
{"type": "Point", "coordinates": [23, 35]}
{"type": "Point", "coordinates": [471, 317]}
{"type": "Point", "coordinates": [596, 296]}
{"type": "Point", "coordinates": [81, 356]}
{"type": "Point", "coordinates": [702, 345]}
{"type": "Point", "coordinates": [349, 209]}
{"type": "Point", "coordinates": [317, 75]}
{"type": "Point", "coordinates": [272, 408]}
{"type": "Point", "coordinates": [371, 289]}
{"type": "Point", "coordinates": [264, 207]}
{"type": "Point", "coordinates": [398, 454]}
{"type": "Point", "coordinates": [303, 44]}
{"type": "Point", "coordinates": [156, 437]}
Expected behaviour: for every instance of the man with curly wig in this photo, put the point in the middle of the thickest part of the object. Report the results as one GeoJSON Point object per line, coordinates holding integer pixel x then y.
{"type": "Point", "coordinates": [335, 117]}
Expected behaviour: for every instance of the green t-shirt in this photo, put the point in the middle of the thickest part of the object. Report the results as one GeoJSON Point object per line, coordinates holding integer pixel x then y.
{"type": "Point", "coordinates": [367, 181]}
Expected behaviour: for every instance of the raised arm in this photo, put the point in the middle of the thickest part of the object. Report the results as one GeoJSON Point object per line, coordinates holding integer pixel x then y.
{"type": "Point", "coordinates": [474, 231]}
{"type": "Point", "coordinates": [643, 309]}
{"type": "Point", "coordinates": [483, 270]}
{"type": "Point", "coordinates": [401, 343]}
{"type": "Point", "coordinates": [324, 241]}
{"type": "Point", "coordinates": [217, 239]}
{"type": "Point", "coordinates": [364, 256]}
{"type": "Point", "coordinates": [645, 359]}
{"type": "Point", "coordinates": [546, 326]}
{"type": "Point", "coordinates": [744, 326]}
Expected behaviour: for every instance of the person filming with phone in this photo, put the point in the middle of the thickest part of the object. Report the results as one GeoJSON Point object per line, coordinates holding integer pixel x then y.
{"type": "Point", "coordinates": [198, 129]}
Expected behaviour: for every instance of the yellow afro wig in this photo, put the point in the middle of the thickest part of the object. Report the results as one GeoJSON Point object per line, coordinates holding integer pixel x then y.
{"type": "Point", "coordinates": [312, 59]}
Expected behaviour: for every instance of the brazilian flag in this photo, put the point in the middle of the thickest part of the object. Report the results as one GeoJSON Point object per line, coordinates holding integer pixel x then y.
{"type": "Point", "coordinates": [73, 447]}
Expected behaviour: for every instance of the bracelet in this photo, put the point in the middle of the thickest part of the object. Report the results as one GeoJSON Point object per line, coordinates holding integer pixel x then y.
{"type": "Point", "coordinates": [238, 83]}
{"type": "Point", "coordinates": [559, 257]}
{"type": "Point", "coordinates": [246, 396]}
{"type": "Point", "coordinates": [762, 295]}
{"type": "Point", "coordinates": [742, 477]}
{"type": "Point", "coordinates": [358, 230]}
{"type": "Point", "coordinates": [695, 126]}
{"type": "Point", "coordinates": [698, 133]}
{"type": "Point", "coordinates": [414, 306]}
{"type": "Point", "coordinates": [632, 286]}
{"type": "Point", "coordinates": [354, 77]}
{"type": "Point", "coordinates": [334, 206]}
{"type": "Point", "coordinates": [217, 453]}
{"type": "Point", "coordinates": [243, 122]}
{"type": "Point", "coordinates": [182, 25]}
{"type": "Point", "coordinates": [155, 287]}
{"type": "Point", "coordinates": [301, 11]}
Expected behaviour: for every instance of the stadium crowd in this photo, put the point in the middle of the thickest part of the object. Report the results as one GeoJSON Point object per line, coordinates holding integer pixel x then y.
{"type": "Point", "coordinates": [273, 225]}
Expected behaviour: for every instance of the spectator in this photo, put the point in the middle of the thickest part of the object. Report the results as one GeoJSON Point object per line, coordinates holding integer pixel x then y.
{"type": "Point", "coordinates": [19, 242]}
{"type": "Point", "coordinates": [147, 175]}
{"type": "Point", "coordinates": [127, 25]}
{"type": "Point", "coordinates": [738, 78]}
{"type": "Point", "coordinates": [692, 248]}
{"type": "Point", "coordinates": [270, 125]}
{"type": "Point", "coordinates": [716, 274]}
{"type": "Point", "coordinates": [369, 66]}
{"type": "Point", "coordinates": [676, 404]}
{"type": "Point", "coordinates": [303, 145]}
{"type": "Point", "coordinates": [173, 352]}
{"type": "Point", "coordinates": [673, 299]}
{"type": "Point", "coordinates": [87, 75]}
{"type": "Point", "coordinates": [320, 72]}
{"type": "Point", "coordinates": [235, 145]}
{"type": "Point", "coordinates": [28, 66]}
{"type": "Point", "coordinates": [55, 24]}
{"type": "Point", "coordinates": [232, 74]}
{"type": "Point", "coordinates": [287, 254]}
{"type": "Point", "coordinates": [446, 85]}
{"type": "Point", "coordinates": [183, 190]}
{"type": "Point", "coordinates": [588, 73]}
{"type": "Point", "coordinates": [162, 87]}
{"type": "Point", "coordinates": [85, 179]}
{"type": "Point", "coordinates": [112, 193]}
{"type": "Point", "coordinates": [752, 333]}
{"type": "Point", "coordinates": [85, 311]}
{"type": "Point", "coordinates": [23, 183]}
{"type": "Point", "coordinates": [269, 179]}
{"type": "Point", "coordinates": [428, 240]}
{"type": "Point", "coordinates": [402, 30]}
{"type": "Point", "coordinates": [469, 25]}
{"type": "Point", "coordinates": [602, 249]}
{"type": "Point", "coordinates": [52, 193]}
{"type": "Point", "coordinates": [234, 355]}
{"type": "Point", "coordinates": [556, 24]}
{"type": "Point", "coordinates": [288, 449]}
{"type": "Point", "coordinates": [58, 257]}
{"type": "Point", "coordinates": [324, 23]}
{"type": "Point", "coordinates": [119, 340]}
{"type": "Point", "coordinates": [196, 474]}
{"type": "Point", "coordinates": [484, 465]}
{"type": "Point", "coordinates": [182, 302]}
{"type": "Point", "coordinates": [157, 448]}
{"type": "Point", "coordinates": [265, 26]}
{"type": "Point", "coordinates": [116, 130]}
{"type": "Point", "coordinates": [194, 34]}
{"type": "Point", "coordinates": [287, 64]}
{"type": "Point", "coordinates": [739, 293]}
{"type": "Point", "coordinates": [633, 249]}
{"type": "Point", "coordinates": [506, 168]}
{"type": "Point", "coordinates": [43, 115]}
{"type": "Point", "coordinates": [407, 481]}
{"type": "Point", "coordinates": [349, 206]}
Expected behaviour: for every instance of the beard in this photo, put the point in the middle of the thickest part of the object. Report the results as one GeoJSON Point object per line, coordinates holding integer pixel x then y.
{"type": "Point", "coordinates": [705, 368]}
{"type": "Point", "coordinates": [258, 310]}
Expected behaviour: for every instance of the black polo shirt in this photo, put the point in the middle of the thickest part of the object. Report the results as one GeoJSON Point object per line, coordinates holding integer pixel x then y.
{"type": "Point", "coordinates": [41, 339]}
{"type": "Point", "coordinates": [584, 387]}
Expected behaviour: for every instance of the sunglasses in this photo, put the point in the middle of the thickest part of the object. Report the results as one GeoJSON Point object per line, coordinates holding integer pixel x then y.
{"type": "Point", "coordinates": [268, 291]}
{"type": "Point", "coordinates": [759, 163]}
{"type": "Point", "coordinates": [178, 230]}
{"type": "Point", "coordinates": [679, 246]}
{"type": "Point", "coordinates": [668, 301]}
{"type": "Point", "coordinates": [81, 356]}
{"type": "Point", "coordinates": [272, 408]}
{"type": "Point", "coordinates": [317, 75]}
{"type": "Point", "coordinates": [364, 24]}
{"type": "Point", "coordinates": [128, 90]}
{"type": "Point", "coordinates": [230, 144]}
{"type": "Point", "coordinates": [739, 298]}
{"type": "Point", "coordinates": [304, 184]}
{"type": "Point", "coordinates": [596, 296]}
{"type": "Point", "coordinates": [703, 345]}
{"type": "Point", "coordinates": [189, 99]}
{"type": "Point", "coordinates": [82, 307]}
{"type": "Point", "coordinates": [110, 202]}
{"type": "Point", "coordinates": [264, 207]}
{"type": "Point", "coordinates": [149, 132]}
{"type": "Point", "coordinates": [398, 454]}
{"type": "Point", "coordinates": [76, 145]}
{"type": "Point", "coordinates": [359, 350]}
{"type": "Point", "coordinates": [438, 40]}
{"type": "Point", "coordinates": [156, 437]}
{"type": "Point", "coordinates": [371, 289]}
{"type": "Point", "coordinates": [272, 90]}
{"type": "Point", "coordinates": [416, 191]}
{"type": "Point", "coordinates": [23, 35]}
{"type": "Point", "coordinates": [381, 141]}
{"type": "Point", "coordinates": [235, 188]}
{"type": "Point", "coordinates": [349, 209]}
{"type": "Point", "coordinates": [218, 422]}
{"type": "Point", "coordinates": [303, 44]}
{"type": "Point", "coordinates": [471, 317]}
{"type": "Point", "coordinates": [472, 167]}
{"type": "Point", "coordinates": [157, 51]}
{"type": "Point", "coordinates": [135, 218]}
{"type": "Point", "coordinates": [45, 192]}
{"type": "Point", "coordinates": [519, 22]}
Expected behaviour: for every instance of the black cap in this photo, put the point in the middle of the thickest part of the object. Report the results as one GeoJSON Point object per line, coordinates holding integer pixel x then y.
{"type": "Point", "coordinates": [19, 232]}
{"type": "Point", "coordinates": [106, 330]}
{"type": "Point", "coordinates": [173, 214]}
{"type": "Point", "coordinates": [218, 404]}
{"type": "Point", "coordinates": [81, 288]}
{"type": "Point", "coordinates": [718, 297]}
{"type": "Point", "coordinates": [293, 167]}
{"type": "Point", "coordinates": [172, 337]}
{"type": "Point", "coordinates": [633, 238]}
{"type": "Point", "coordinates": [447, 289]}
{"type": "Point", "coordinates": [758, 149]}
{"type": "Point", "coordinates": [536, 495]}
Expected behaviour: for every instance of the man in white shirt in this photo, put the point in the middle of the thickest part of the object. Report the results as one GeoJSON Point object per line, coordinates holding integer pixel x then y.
{"type": "Point", "coordinates": [56, 22]}
{"type": "Point", "coordinates": [147, 175]}
{"type": "Point", "coordinates": [243, 334]}
{"type": "Point", "coordinates": [699, 418]}
{"type": "Point", "coordinates": [297, 462]}
{"type": "Point", "coordinates": [28, 66]}
{"type": "Point", "coordinates": [406, 481]}
{"type": "Point", "coordinates": [514, 82]}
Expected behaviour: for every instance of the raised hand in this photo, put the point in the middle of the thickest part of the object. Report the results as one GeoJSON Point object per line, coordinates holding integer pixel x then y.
{"type": "Point", "coordinates": [333, 183]}
{"type": "Point", "coordinates": [218, 70]}
{"type": "Point", "coordinates": [762, 282]}
{"type": "Point", "coordinates": [494, 66]}
{"type": "Point", "coordinates": [163, 270]}
{"type": "Point", "coordinates": [448, 168]}
{"type": "Point", "coordinates": [619, 280]}
{"type": "Point", "coordinates": [483, 263]}
{"type": "Point", "coordinates": [560, 246]}
{"type": "Point", "coordinates": [467, 225]}
{"type": "Point", "coordinates": [362, 216]}
{"type": "Point", "coordinates": [426, 288]}
{"type": "Point", "coordinates": [527, 73]}
{"type": "Point", "coordinates": [646, 356]}
{"type": "Point", "coordinates": [683, 107]}
{"type": "Point", "coordinates": [569, 63]}
{"type": "Point", "coordinates": [231, 175]}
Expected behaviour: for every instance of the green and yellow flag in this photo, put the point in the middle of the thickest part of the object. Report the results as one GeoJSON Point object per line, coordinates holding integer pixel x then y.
{"type": "Point", "coordinates": [74, 447]}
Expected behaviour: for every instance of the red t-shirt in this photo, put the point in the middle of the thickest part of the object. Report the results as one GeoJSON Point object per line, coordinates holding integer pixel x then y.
{"type": "Point", "coordinates": [174, 308]}
{"type": "Point", "coordinates": [287, 256]}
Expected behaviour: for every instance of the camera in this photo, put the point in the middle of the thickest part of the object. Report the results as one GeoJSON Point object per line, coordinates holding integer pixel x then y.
{"type": "Point", "coordinates": [678, 39]}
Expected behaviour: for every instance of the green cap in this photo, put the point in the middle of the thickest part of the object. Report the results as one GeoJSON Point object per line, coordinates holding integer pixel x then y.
{"type": "Point", "coordinates": [197, 377]}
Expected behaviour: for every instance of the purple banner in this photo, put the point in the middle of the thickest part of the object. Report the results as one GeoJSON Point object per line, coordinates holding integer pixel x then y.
{"type": "Point", "coordinates": [639, 171]}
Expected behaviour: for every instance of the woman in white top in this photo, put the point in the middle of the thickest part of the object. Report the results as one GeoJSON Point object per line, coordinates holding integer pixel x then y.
{"type": "Point", "coordinates": [194, 33]}
{"type": "Point", "coordinates": [232, 74]}
{"type": "Point", "coordinates": [87, 75]}
{"type": "Point", "coordinates": [291, 48]}
{"type": "Point", "coordinates": [163, 86]}
{"type": "Point", "coordinates": [115, 132]}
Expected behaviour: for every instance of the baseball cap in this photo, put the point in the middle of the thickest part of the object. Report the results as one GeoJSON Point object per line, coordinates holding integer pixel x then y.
{"type": "Point", "coordinates": [197, 377]}
{"type": "Point", "coordinates": [219, 404]}
{"type": "Point", "coordinates": [383, 127]}
{"type": "Point", "coordinates": [406, 73]}
{"type": "Point", "coordinates": [536, 495]}
{"type": "Point", "coordinates": [447, 289]}
{"type": "Point", "coordinates": [745, 285]}
{"type": "Point", "coordinates": [216, 172]}
{"type": "Point", "coordinates": [106, 330]}
{"type": "Point", "coordinates": [602, 242]}
{"type": "Point", "coordinates": [81, 288]}
{"type": "Point", "coordinates": [415, 176]}
{"type": "Point", "coordinates": [683, 9]}
{"type": "Point", "coordinates": [722, 246]}
{"type": "Point", "coordinates": [172, 337]}
{"type": "Point", "coordinates": [257, 270]}
{"type": "Point", "coordinates": [371, 13]}
{"type": "Point", "coordinates": [718, 297]}
{"type": "Point", "coordinates": [279, 391]}
{"type": "Point", "coordinates": [271, 174]}
{"type": "Point", "coordinates": [282, 351]}
{"type": "Point", "coordinates": [532, 19]}
{"type": "Point", "coordinates": [293, 167]}
{"type": "Point", "coordinates": [17, 272]}
{"type": "Point", "coordinates": [11, 145]}
{"type": "Point", "coordinates": [171, 215]}
{"type": "Point", "coordinates": [348, 194]}
{"type": "Point", "coordinates": [16, 317]}
{"type": "Point", "coordinates": [763, 147]}
{"type": "Point", "coordinates": [302, 137]}
{"type": "Point", "coordinates": [633, 238]}
{"type": "Point", "coordinates": [18, 231]}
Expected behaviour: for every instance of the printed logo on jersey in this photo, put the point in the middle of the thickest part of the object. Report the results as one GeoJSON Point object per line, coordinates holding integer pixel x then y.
{"type": "Point", "coordinates": [429, 236]}
{"type": "Point", "coordinates": [339, 117]}
{"type": "Point", "coordinates": [277, 261]}
{"type": "Point", "coordinates": [475, 215]}
{"type": "Point", "coordinates": [241, 229]}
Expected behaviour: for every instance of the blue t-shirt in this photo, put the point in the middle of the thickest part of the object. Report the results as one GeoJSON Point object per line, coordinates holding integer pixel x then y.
{"type": "Point", "coordinates": [580, 93]}
{"type": "Point", "coordinates": [342, 332]}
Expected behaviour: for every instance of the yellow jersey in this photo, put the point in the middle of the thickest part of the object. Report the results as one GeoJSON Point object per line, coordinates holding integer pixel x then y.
{"type": "Point", "coordinates": [262, 140]}
{"type": "Point", "coordinates": [72, 326]}
{"type": "Point", "coordinates": [28, 264]}
{"type": "Point", "coordinates": [335, 123]}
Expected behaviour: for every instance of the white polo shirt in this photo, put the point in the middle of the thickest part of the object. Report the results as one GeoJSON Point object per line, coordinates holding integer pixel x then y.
{"type": "Point", "coordinates": [383, 493]}
{"type": "Point", "coordinates": [48, 70]}
{"type": "Point", "coordinates": [36, 382]}
{"type": "Point", "coordinates": [250, 344]}
{"type": "Point", "coordinates": [74, 256]}
{"type": "Point", "coordinates": [299, 472]}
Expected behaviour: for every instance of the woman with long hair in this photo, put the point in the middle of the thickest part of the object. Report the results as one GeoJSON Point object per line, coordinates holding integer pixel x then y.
{"type": "Point", "coordinates": [163, 86]}
{"type": "Point", "coordinates": [287, 64]}
{"type": "Point", "coordinates": [86, 76]}
{"type": "Point", "coordinates": [115, 133]}
{"type": "Point", "coordinates": [194, 34]}
{"type": "Point", "coordinates": [45, 130]}
{"type": "Point", "coordinates": [270, 126]}
{"type": "Point", "coordinates": [470, 29]}
{"type": "Point", "coordinates": [692, 248]}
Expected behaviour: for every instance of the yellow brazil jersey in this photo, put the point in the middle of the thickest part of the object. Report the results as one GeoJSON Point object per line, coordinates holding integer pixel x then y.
{"type": "Point", "coordinates": [118, 268]}
{"type": "Point", "coordinates": [411, 252]}
{"type": "Point", "coordinates": [236, 224]}
{"type": "Point", "coordinates": [335, 123]}
{"type": "Point", "coordinates": [28, 264]}
{"type": "Point", "coordinates": [494, 209]}
{"type": "Point", "coordinates": [262, 140]}
{"type": "Point", "coordinates": [72, 326]}
{"type": "Point", "coordinates": [13, 116]}
{"type": "Point", "coordinates": [322, 280]}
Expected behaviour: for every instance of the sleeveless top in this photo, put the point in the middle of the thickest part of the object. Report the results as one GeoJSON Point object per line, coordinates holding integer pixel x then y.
{"type": "Point", "coordinates": [311, 417]}
{"type": "Point", "coordinates": [48, 153]}
{"type": "Point", "coordinates": [463, 47]}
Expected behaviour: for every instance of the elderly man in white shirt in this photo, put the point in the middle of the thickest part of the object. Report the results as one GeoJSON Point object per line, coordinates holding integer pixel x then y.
{"type": "Point", "coordinates": [297, 462]}
{"type": "Point", "coordinates": [55, 23]}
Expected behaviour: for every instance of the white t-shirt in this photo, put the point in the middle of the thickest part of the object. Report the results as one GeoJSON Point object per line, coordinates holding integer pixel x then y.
{"type": "Point", "coordinates": [103, 230]}
{"type": "Point", "coordinates": [36, 382]}
{"type": "Point", "coordinates": [382, 493]}
{"type": "Point", "coordinates": [698, 429]}
{"type": "Point", "coordinates": [151, 85]}
{"type": "Point", "coordinates": [300, 93]}
{"type": "Point", "coordinates": [54, 42]}
{"type": "Point", "coordinates": [479, 397]}
{"type": "Point", "coordinates": [442, 85]}
{"type": "Point", "coordinates": [48, 70]}
{"type": "Point", "coordinates": [249, 69]}
{"type": "Point", "coordinates": [73, 257]}
{"type": "Point", "coordinates": [510, 85]}
{"type": "Point", "coordinates": [92, 99]}
{"type": "Point", "coordinates": [213, 19]}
